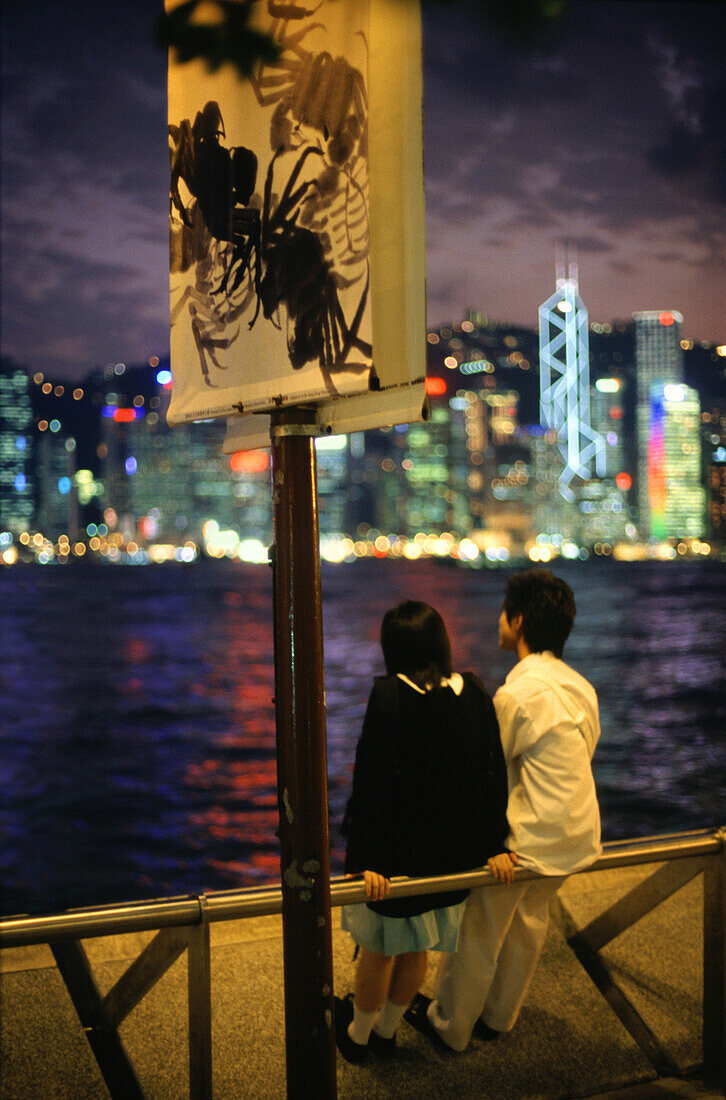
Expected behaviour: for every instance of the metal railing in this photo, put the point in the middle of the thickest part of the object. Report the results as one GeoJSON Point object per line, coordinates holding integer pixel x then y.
{"type": "Point", "coordinates": [182, 924]}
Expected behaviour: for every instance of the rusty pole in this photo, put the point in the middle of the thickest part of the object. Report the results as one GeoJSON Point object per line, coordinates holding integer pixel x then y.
{"type": "Point", "coordinates": [302, 781]}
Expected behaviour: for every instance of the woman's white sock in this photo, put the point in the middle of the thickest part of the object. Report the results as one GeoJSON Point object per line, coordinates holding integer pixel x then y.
{"type": "Point", "coordinates": [359, 1028]}
{"type": "Point", "coordinates": [389, 1019]}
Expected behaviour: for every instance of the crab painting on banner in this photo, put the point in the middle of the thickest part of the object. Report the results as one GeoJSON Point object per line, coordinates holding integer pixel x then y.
{"type": "Point", "coordinates": [297, 256]}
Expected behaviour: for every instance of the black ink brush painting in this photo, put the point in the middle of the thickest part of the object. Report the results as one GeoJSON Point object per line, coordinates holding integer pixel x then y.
{"type": "Point", "coordinates": [271, 238]}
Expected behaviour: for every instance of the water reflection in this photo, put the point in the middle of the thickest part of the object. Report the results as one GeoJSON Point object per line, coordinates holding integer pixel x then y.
{"type": "Point", "coordinates": [138, 749]}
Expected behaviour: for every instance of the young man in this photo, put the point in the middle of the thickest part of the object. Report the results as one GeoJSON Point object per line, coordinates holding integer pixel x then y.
{"type": "Point", "coordinates": [549, 726]}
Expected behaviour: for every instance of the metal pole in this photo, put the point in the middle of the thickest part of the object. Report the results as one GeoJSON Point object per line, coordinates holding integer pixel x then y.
{"type": "Point", "coordinates": [714, 969]}
{"type": "Point", "coordinates": [301, 759]}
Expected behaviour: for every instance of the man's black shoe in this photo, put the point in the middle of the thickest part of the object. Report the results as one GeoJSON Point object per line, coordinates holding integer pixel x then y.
{"type": "Point", "coordinates": [416, 1016]}
{"type": "Point", "coordinates": [355, 1053]}
{"type": "Point", "coordinates": [484, 1032]}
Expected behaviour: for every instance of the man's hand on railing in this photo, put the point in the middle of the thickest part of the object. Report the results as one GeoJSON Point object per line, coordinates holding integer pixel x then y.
{"type": "Point", "coordinates": [502, 866]}
{"type": "Point", "coordinates": [377, 886]}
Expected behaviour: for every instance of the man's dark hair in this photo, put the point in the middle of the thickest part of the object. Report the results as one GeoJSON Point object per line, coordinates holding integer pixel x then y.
{"type": "Point", "coordinates": [547, 606]}
{"type": "Point", "coordinates": [415, 642]}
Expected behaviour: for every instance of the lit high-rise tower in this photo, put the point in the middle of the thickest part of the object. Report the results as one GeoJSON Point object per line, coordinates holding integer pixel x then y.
{"type": "Point", "coordinates": [677, 500]}
{"type": "Point", "coordinates": [564, 358]}
{"type": "Point", "coordinates": [16, 439]}
{"type": "Point", "coordinates": [659, 362]}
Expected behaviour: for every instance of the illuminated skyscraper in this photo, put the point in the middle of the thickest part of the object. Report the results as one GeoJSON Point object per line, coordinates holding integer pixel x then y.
{"type": "Point", "coordinates": [676, 498]}
{"type": "Point", "coordinates": [16, 449]}
{"type": "Point", "coordinates": [714, 455]}
{"type": "Point", "coordinates": [565, 384]}
{"type": "Point", "coordinates": [659, 361]}
{"type": "Point", "coordinates": [57, 494]}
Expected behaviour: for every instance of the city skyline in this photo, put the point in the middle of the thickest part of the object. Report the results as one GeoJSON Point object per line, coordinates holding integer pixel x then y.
{"type": "Point", "coordinates": [603, 134]}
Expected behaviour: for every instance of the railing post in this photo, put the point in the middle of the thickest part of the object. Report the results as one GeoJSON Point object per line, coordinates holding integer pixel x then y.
{"type": "Point", "coordinates": [200, 1007]}
{"type": "Point", "coordinates": [714, 968]}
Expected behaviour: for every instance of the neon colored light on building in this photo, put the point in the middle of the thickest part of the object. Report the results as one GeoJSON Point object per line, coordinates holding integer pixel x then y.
{"type": "Point", "coordinates": [656, 467]}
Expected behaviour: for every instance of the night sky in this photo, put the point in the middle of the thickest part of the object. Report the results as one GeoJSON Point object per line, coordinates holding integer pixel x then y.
{"type": "Point", "coordinates": [608, 131]}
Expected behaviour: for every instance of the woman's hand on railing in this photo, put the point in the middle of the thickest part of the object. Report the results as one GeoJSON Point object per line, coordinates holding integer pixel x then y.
{"type": "Point", "coordinates": [502, 866]}
{"type": "Point", "coordinates": [377, 886]}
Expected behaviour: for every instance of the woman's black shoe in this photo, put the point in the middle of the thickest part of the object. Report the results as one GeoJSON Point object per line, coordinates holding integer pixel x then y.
{"type": "Point", "coordinates": [382, 1048]}
{"type": "Point", "coordinates": [355, 1053]}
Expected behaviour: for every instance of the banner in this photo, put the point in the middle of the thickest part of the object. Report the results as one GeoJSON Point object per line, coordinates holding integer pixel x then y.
{"type": "Point", "coordinates": [297, 252]}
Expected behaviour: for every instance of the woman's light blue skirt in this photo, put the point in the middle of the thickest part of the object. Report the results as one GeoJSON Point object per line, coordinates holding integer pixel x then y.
{"type": "Point", "coordinates": [437, 930]}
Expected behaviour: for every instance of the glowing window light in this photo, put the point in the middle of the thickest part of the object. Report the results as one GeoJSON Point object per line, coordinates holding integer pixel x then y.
{"type": "Point", "coordinates": [331, 443]}
{"type": "Point", "coordinates": [435, 386]}
{"type": "Point", "coordinates": [249, 462]}
{"type": "Point", "coordinates": [468, 550]}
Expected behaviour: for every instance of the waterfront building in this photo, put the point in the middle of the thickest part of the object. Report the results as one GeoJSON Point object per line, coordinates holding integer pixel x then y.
{"type": "Point", "coordinates": [332, 460]}
{"type": "Point", "coordinates": [430, 499]}
{"type": "Point", "coordinates": [658, 362]}
{"type": "Point", "coordinates": [180, 480]}
{"type": "Point", "coordinates": [17, 497]}
{"type": "Point", "coordinates": [713, 430]}
{"type": "Point", "coordinates": [554, 518]}
{"type": "Point", "coordinates": [604, 502]}
{"type": "Point", "coordinates": [565, 384]}
{"type": "Point", "coordinates": [164, 485]}
{"type": "Point", "coordinates": [57, 507]}
{"type": "Point", "coordinates": [676, 498]}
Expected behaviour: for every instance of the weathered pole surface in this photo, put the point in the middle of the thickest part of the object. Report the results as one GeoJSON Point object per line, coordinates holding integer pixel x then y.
{"type": "Point", "coordinates": [302, 781]}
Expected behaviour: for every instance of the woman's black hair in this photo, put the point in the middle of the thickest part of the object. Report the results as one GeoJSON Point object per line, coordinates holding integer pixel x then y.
{"type": "Point", "coordinates": [415, 642]}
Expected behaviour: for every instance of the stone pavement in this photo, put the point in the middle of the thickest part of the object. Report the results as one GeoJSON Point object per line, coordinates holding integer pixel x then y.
{"type": "Point", "coordinates": [567, 1043]}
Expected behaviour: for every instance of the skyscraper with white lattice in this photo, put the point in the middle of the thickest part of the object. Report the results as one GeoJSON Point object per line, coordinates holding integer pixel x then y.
{"type": "Point", "coordinates": [564, 357]}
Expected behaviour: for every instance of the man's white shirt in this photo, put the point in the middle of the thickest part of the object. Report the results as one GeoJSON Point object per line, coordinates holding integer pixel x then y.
{"type": "Point", "coordinates": [549, 726]}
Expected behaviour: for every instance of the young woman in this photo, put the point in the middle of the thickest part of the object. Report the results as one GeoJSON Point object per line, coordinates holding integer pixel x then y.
{"type": "Point", "coordinates": [429, 798]}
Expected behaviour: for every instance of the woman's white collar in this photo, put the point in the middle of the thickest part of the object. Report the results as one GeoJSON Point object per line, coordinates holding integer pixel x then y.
{"type": "Point", "coordinates": [455, 682]}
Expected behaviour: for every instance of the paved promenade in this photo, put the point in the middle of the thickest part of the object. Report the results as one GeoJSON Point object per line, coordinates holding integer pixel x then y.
{"type": "Point", "coordinates": [567, 1043]}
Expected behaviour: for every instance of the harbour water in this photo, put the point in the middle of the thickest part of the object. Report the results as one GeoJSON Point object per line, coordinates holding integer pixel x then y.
{"type": "Point", "coordinates": [137, 746]}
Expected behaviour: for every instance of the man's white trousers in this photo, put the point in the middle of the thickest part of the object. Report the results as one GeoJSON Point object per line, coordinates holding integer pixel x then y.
{"type": "Point", "coordinates": [502, 935]}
